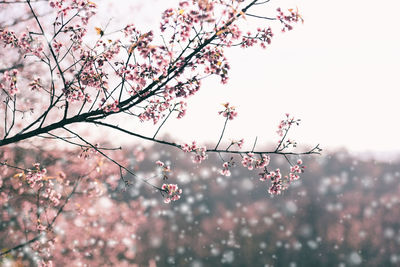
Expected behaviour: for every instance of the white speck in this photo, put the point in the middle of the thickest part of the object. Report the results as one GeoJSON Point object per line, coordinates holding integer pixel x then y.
{"type": "Point", "coordinates": [291, 207]}
{"type": "Point", "coordinates": [312, 244]}
{"type": "Point", "coordinates": [228, 257]}
{"type": "Point", "coordinates": [355, 258]}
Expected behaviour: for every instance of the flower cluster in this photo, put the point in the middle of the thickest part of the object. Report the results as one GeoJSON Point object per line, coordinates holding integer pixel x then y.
{"type": "Point", "coordinates": [189, 148]}
{"type": "Point", "coordinates": [262, 36]}
{"type": "Point", "coordinates": [91, 74]}
{"type": "Point", "coordinates": [229, 111]}
{"type": "Point", "coordinates": [184, 18]}
{"type": "Point", "coordinates": [296, 170]}
{"type": "Point", "coordinates": [200, 152]}
{"type": "Point", "coordinates": [112, 107]}
{"type": "Point", "coordinates": [248, 41]}
{"type": "Point", "coordinates": [25, 43]}
{"type": "Point", "coordinates": [73, 94]}
{"type": "Point", "coordinates": [165, 169]}
{"type": "Point", "coordinates": [9, 82]}
{"type": "Point", "coordinates": [154, 110]}
{"type": "Point", "coordinates": [239, 143]}
{"type": "Point", "coordinates": [251, 162]}
{"type": "Point", "coordinates": [229, 34]}
{"type": "Point", "coordinates": [225, 169]}
{"type": "Point", "coordinates": [56, 4]}
{"type": "Point", "coordinates": [181, 108]}
{"type": "Point", "coordinates": [43, 248]}
{"type": "Point", "coordinates": [52, 195]}
{"type": "Point", "coordinates": [173, 192]}
{"type": "Point", "coordinates": [57, 46]}
{"type": "Point", "coordinates": [36, 84]}
{"type": "Point", "coordinates": [35, 177]}
{"type": "Point", "coordinates": [63, 8]}
{"type": "Point", "coordinates": [9, 38]}
{"type": "Point", "coordinates": [285, 124]}
{"type": "Point", "coordinates": [279, 184]}
{"type": "Point", "coordinates": [287, 20]}
{"type": "Point", "coordinates": [270, 175]}
{"type": "Point", "coordinates": [216, 63]}
{"type": "Point", "coordinates": [265, 35]}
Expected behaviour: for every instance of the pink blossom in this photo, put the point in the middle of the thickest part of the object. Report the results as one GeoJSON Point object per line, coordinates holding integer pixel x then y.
{"type": "Point", "coordinates": [229, 111]}
{"type": "Point", "coordinates": [225, 169]}
{"type": "Point", "coordinates": [173, 192]}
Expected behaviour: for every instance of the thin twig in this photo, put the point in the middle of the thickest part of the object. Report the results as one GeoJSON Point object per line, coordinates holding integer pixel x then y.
{"type": "Point", "coordinates": [223, 131]}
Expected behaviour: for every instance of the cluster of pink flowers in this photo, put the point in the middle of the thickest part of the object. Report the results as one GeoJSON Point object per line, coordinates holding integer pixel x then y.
{"type": "Point", "coordinates": [265, 36]}
{"type": "Point", "coordinates": [156, 107]}
{"type": "Point", "coordinates": [251, 162]}
{"type": "Point", "coordinates": [183, 89]}
{"type": "Point", "coordinates": [109, 51]}
{"type": "Point", "coordinates": [9, 38]}
{"type": "Point", "coordinates": [165, 169]}
{"type": "Point", "coordinates": [36, 84]}
{"type": "Point", "coordinates": [287, 143]}
{"type": "Point", "coordinates": [271, 175]}
{"type": "Point", "coordinates": [112, 107]}
{"type": "Point", "coordinates": [91, 74]}
{"type": "Point", "coordinates": [134, 73]}
{"type": "Point", "coordinates": [9, 82]}
{"type": "Point", "coordinates": [278, 184]}
{"type": "Point", "coordinates": [200, 152]}
{"type": "Point", "coordinates": [173, 192]}
{"type": "Point", "coordinates": [44, 249]}
{"type": "Point", "coordinates": [181, 108]}
{"type": "Point", "coordinates": [225, 169]}
{"type": "Point", "coordinates": [142, 44]}
{"type": "Point", "coordinates": [56, 4]}
{"type": "Point", "coordinates": [189, 148]}
{"type": "Point", "coordinates": [285, 124]}
{"type": "Point", "coordinates": [296, 170]}
{"type": "Point", "coordinates": [238, 143]}
{"type": "Point", "coordinates": [154, 110]}
{"type": "Point", "coordinates": [215, 63]}
{"type": "Point", "coordinates": [248, 41]}
{"type": "Point", "coordinates": [64, 6]}
{"type": "Point", "coordinates": [184, 18]}
{"type": "Point", "coordinates": [35, 177]}
{"type": "Point", "coordinates": [25, 43]}
{"type": "Point", "coordinates": [73, 94]}
{"type": "Point", "coordinates": [287, 20]}
{"type": "Point", "coordinates": [229, 111]}
{"type": "Point", "coordinates": [229, 34]}
{"type": "Point", "coordinates": [57, 46]}
{"type": "Point", "coordinates": [52, 195]}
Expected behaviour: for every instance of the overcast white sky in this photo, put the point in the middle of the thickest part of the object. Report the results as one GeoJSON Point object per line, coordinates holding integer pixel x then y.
{"type": "Point", "coordinates": [338, 72]}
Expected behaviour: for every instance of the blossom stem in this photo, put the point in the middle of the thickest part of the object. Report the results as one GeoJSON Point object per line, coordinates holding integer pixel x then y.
{"type": "Point", "coordinates": [223, 131]}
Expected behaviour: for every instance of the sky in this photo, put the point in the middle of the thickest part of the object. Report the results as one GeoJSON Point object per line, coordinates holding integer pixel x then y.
{"type": "Point", "coordinates": [338, 72]}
